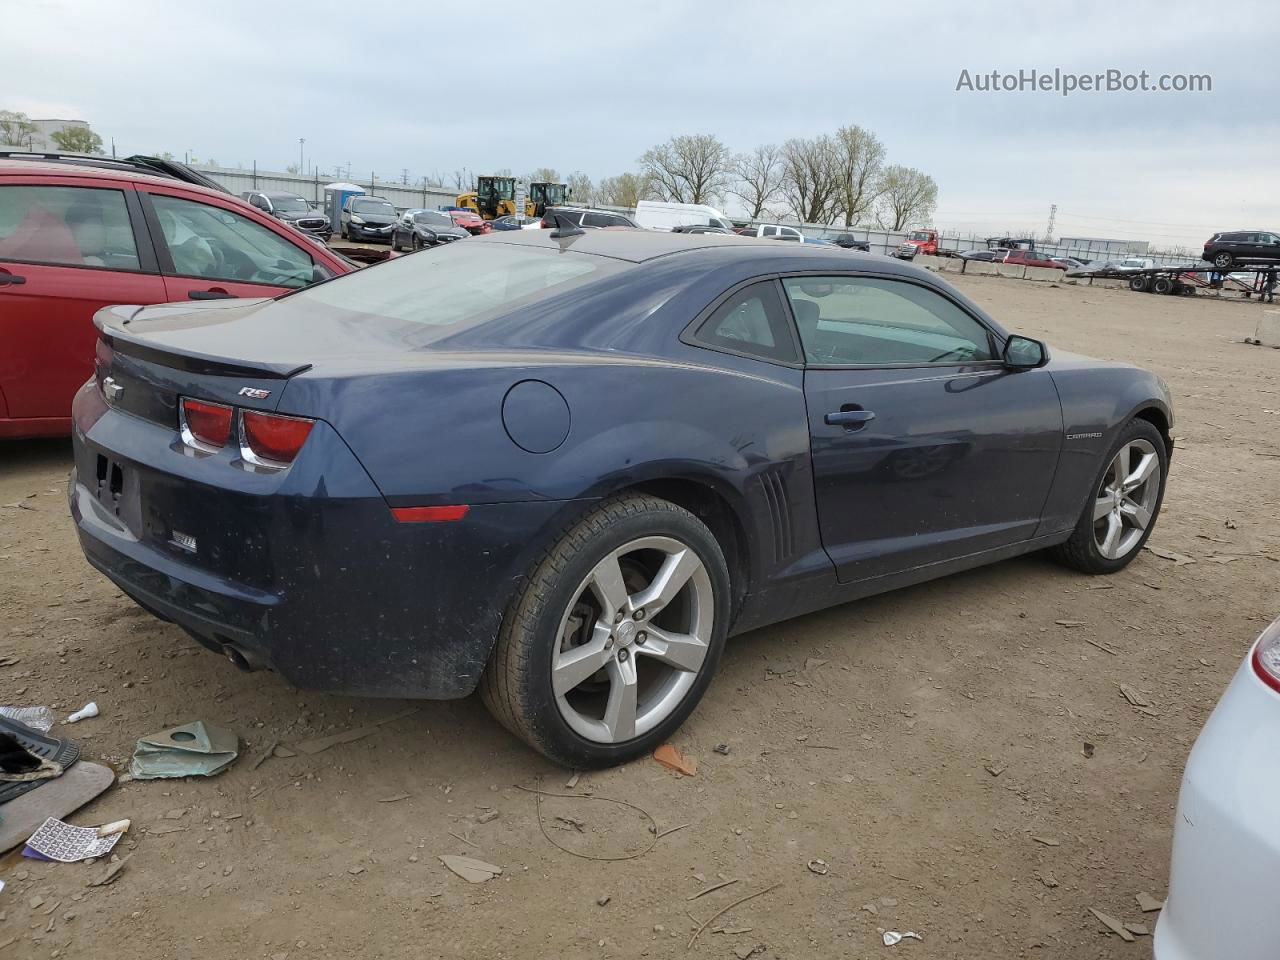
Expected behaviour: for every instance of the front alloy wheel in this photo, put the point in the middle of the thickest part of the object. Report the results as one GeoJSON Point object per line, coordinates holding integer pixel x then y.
{"type": "Point", "coordinates": [615, 635]}
{"type": "Point", "coordinates": [1125, 502]}
{"type": "Point", "coordinates": [1126, 499]}
{"type": "Point", "coordinates": [1222, 260]}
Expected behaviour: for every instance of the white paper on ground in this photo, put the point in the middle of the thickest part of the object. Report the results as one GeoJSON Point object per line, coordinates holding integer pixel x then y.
{"type": "Point", "coordinates": [67, 844]}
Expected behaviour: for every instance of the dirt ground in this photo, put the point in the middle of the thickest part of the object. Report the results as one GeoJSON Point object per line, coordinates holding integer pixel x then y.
{"type": "Point", "coordinates": [919, 743]}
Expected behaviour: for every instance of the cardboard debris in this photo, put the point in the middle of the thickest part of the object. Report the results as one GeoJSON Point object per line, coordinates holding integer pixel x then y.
{"type": "Point", "coordinates": [670, 756]}
{"type": "Point", "coordinates": [1133, 696]}
{"type": "Point", "coordinates": [1147, 903]}
{"type": "Point", "coordinates": [1113, 924]}
{"type": "Point", "coordinates": [191, 750]}
{"type": "Point", "coordinates": [1179, 559]}
{"type": "Point", "coordinates": [471, 869]}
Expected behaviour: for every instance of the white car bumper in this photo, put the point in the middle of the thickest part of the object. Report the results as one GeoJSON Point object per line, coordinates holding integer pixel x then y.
{"type": "Point", "coordinates": [1226, 838]}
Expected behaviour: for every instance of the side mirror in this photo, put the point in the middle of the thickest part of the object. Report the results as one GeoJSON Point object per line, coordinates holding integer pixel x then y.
{"type": "Point", "coordinates": [1023, 353]}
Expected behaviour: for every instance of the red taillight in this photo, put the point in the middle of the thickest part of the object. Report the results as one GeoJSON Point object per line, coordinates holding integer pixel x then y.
{"type": "Point", "coordinates": [210, 423]}
{"type": "Point", "coordinates": [429, 514]}
{"type": "Point", "coordinates": [547, 223]}
{"type": "Point", "coordinates": [272, 437]}
{"type": "Point", "coordinates": [1266, 657]}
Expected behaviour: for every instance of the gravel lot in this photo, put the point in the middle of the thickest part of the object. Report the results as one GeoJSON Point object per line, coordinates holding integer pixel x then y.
{"type": "Point", "coordinates": [919, 743]}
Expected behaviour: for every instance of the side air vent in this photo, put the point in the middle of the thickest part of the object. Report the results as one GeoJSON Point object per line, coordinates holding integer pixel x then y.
{"type": "Point", "coordinates": [775, 495]}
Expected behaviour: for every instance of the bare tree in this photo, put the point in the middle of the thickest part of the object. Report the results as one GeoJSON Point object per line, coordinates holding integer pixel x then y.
{"type": "Point", "coordinates": [16, 129]}
{"type": "Point", "coordinates": [581, 189]}
{"type": "Point", "coordinates": [692, 168]}
{"type": "Point", "coordinates": [759, 177]}
{"type": "Point", "coordinates": [624, 190]}
{"type": "Point", "coordinates": [544, 175]}
{"type": "Point", "coordinates": [907, 196]}
{"type": "Point", "coordinates": [463, 180]}
{"type": "Point", "coordinates": [858, 162]}
{"type": "Point", "coordinates": [809, 178]}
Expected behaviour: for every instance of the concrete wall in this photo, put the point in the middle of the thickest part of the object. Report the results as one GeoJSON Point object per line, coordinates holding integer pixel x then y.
{"type": "Point", "coordinates": [1044, 273]}
{"type": "Point", "coordinates": [1015, 271]}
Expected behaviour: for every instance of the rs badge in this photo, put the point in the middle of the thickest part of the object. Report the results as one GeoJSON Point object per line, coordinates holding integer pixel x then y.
{"type": "Point", "coordinates": [254, 393]}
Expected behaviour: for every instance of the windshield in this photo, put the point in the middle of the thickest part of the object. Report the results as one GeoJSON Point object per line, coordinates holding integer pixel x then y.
{"type": "Point", "coordinates": [432, 219]}
{"type": "Point", "coordinates": [461, 284]}
{"type": "Point", "coordinates": [919, 236]}
{"type": "Point", "coordinates": [372, 206]}
{"type": "Point", "coordinates": [290, 204]}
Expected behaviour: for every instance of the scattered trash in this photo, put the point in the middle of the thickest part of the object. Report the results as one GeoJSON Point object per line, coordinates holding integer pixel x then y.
{"type": "Point", "coordinates": [67, 844]}
{"type": "Point", "coordinates": [819, 867]}
{"type": "Point", "coordinates": [1133, 696]}
{"type": "Point", "coordinates": [110, 874]}
{"type": "Point", "coordinates": [396, 798]}
{"type": "Point", "coordinates": [114, 827]}
{"type": "Point", "coordinates": [1138, 929]}
{"type": "Point", "coordinates": [487, 817]}
{"type": "Point", "coordinates": [745, 952]}
{"type": "Point", "coordinates": [870, 908]}
{"type": "Point", "coordinates": [355, 871]}
{"type": "Point", "coordinates": [347, 736]}
{"type": "Point", "coordinates": [9, 661]}
{"type": "Point", "coordinates": [1047, 879]}
{"type": "Point", "coordinates": [732, 931]}
{"type": "Point", "coordinates": [282, 752]}
{"type": "Point", "coordinates": [1087, 749]}
{"type": "Point", "coordinates": [571, 823]}
{"type": "Point", "coordinates": [572, 781]}
{"type": "Point", "coordinates": [892, 937]}
{"type": "Point", "coordinates": [1070, 623]}
{"type": "Point", "coordinates": [712, 889]}
{"type": "Point", "coordinates": [602, 900]}
{"type": "Point", "coordinates": [542, 826]}
{"type": "Point", "coordinates": [813, 663]}
{"type": "Point", "coordinates": [1147, 903]}
{"type": "Point", "coordinates": [191, 750]}
{"type": "Point", "coordinates": [470, 869]}
{"type": "Point", "coordinates": [262, 757]}
{"type": "Point", "coordinates": [1113, 924]}
{"type": "Point", "coordinates": [994, 769]}
{"type": "Point", "coordinates": [723, 910]}
{"type": "Point", "coordinates": [84, 713]}
{"type": "Point", "coordinates": [160, 829]}
{"type": "Point", "coordinates": [721, 748]}
{"type": "Point", "coordinates": [1179, 559]}
{"type": "Point", "coordinates": [37, 718]}
{"type": "Point", "coordinates": [670, 756]}
{"type": "Point", "coordinates": [1047, 841]}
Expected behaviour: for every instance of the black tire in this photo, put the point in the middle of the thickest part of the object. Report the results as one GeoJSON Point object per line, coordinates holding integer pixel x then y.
{"type": "Point", "coordinates": [1223, 260]}
{"type": "Point", "coordinates": [395, 246]}
{"type": "Point", "coordinates": [516, 686]}
{"type": "Point", "coordinates": [1139, 284]}
{"type": "Point", "coordinates": [416, 242]}
{"type": "Point", "coordinates": [1162, 285]}
{"type": "Point", "coordinates": [1081, 551]}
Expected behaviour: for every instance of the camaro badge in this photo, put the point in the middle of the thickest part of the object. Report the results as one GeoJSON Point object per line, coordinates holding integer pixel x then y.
{"type": "Point", "coordinates": [254, 393]}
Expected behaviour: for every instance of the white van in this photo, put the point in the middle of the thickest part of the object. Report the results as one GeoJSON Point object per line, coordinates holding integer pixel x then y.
{"type": "Point", "coordinates": [661, 215]}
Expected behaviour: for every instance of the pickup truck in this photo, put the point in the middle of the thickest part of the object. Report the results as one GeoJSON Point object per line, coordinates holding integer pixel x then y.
{"type": "Point", "coordinates": [921, 241]}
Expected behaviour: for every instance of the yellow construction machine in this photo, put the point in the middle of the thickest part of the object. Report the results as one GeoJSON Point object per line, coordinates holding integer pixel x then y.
{"type": "Point", "coordinates": [492, 198]}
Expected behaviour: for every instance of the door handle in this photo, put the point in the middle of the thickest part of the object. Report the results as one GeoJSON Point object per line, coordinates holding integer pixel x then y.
{"type": "Point", "coordinates": [850, 419]}
{"type": "Point", "coordinates": [11, 279]}
{"type": "Point", "coordinates": [214, 293]}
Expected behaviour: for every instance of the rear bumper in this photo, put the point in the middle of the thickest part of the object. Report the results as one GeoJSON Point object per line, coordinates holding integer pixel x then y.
{"type": "Point", "coordinates": [305, 572]}
{"type": "Point", "coordinates": [1226, 839]}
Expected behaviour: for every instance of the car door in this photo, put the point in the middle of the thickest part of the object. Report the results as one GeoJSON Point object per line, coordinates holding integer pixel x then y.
{"type": "Point", "coordinates": [67, 248]}
{"type": "Point", "coordinates": [209, 250]}
{"type": "Point", "coordinates": [925, 447]}
{"type": "Point", "coordinates": [790, 233]}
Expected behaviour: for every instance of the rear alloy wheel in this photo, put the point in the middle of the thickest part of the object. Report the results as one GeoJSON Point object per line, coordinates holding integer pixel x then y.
{"type": "Point", "coordinates": [615, 636]}
{"type": "Point", "coordinates": [1122, 511]}
{"type": "Point", "coordinates": [1223, 260]}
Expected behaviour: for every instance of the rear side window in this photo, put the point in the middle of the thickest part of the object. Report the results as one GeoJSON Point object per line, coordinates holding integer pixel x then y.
{"type": "Point", "coordinates": [71, 226]}
{"type": "Point", "coordinates": [751, 321]}
{"type": "Point", "coordinates": [459, 285]}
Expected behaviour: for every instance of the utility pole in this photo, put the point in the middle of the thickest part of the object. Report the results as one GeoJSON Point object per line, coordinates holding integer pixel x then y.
{"type": "Point", "coordinates": [1048, 230]}
{"type": "Point", "coordinates": [302, 168]}
{"type": "Point", "coordinates": [404, 176]}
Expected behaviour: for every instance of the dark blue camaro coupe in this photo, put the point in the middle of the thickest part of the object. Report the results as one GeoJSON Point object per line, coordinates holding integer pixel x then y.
{"type": "Point", "coordinates": [563, 466]}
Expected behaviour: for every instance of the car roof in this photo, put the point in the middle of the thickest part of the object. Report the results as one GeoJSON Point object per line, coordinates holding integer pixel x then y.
{"type": "Point", "coordinates": [638, 246]}
{"type": "Point", "coordinates": [56, 169]}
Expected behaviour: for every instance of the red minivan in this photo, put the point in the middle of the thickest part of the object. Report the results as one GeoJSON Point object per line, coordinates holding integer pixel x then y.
{"type": "Point", "coordinates": [75, 236]}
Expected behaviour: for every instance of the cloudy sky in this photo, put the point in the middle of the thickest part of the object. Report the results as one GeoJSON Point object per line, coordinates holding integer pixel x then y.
{"type": "Point", "coordinates": [589, 86]}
